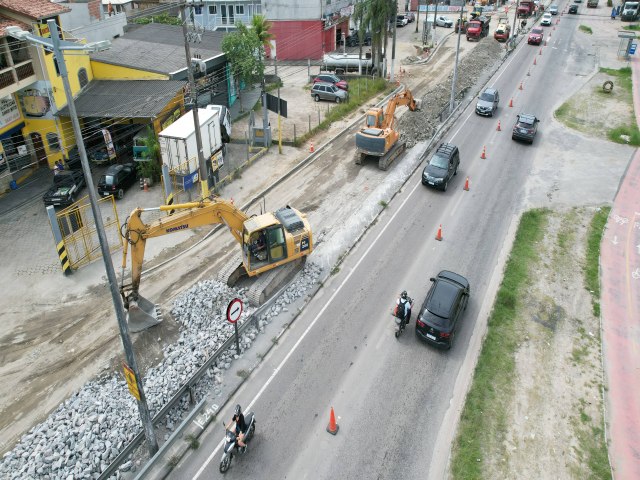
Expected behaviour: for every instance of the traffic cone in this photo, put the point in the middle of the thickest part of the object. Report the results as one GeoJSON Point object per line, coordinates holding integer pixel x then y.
{"type": "Point", "coordinates": [439, 234]}
{"type": "Point", "coordinates": [466, 184]}
{"type": "Point", "coordinates": [231, 200]}
{"type": "Point", "coordinates": [484, 152]}
{"type": "Point", "coordinates": [146, 186]}
{"type": "Point", "coordinates": [511, 102]}
{"type": "Point", "coordinates": [520, 87]}
{"type": "Point", "coordinates": [545, 42]}
{"type": "Point", "coordinates": [311, 149]}
{"type": "Point", "coordinates": [534, 61]}
{"type": "Point", "coordinates": [540, 52]}
{"type": "Point", "coordinates": [333, 427]}
{"type": "Point", "coordinates": [529, 73]}
{"type": "Point", "coordinates": [498, 129]}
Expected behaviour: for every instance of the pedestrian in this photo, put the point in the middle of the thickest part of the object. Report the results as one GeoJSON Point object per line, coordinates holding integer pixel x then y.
{"type": "Point", "coordinates": [618, 9]}
{"type": "Point", "coordinates": [613, 13]}
{"type": "Point", "coordinates": [58, 167]}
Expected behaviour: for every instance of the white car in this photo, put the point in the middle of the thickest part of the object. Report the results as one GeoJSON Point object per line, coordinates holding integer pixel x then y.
{"type": "Point", "coordinates": [546, 20]}
{"type": "Point", "coordinates": [444, 22]}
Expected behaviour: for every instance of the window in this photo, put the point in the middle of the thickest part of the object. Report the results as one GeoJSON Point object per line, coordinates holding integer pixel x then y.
{"type": "Point", "coordinates": [213, 9]}
{"type": "Point", "coordinates": [197, 9]}
{"type": "Point", "coordinates": [54, 142]}
{"type": "Point", "coordinates": [257, 9]}
{"type": "Point", "coordinates": [82, 77]}
{"type": "Point", "coordinates": [239, 9]}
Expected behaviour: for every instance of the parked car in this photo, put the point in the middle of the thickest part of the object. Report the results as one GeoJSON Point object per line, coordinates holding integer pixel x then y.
{"type": "Point", "coordinates": [525, 128]}
{"type": "Point", "coordinates": [442, 310]}
{"type": "Point", "coordinates": [553, 9]}
{"type": "Point", "coordinates": [535, 36]}
{"type": "Point", "coordinates": [333, 79]}
{"type": "Point", "coordinates": [117, 179]}
{"type": "Point", "coordinates": [65, 188]}
{"type": "Point", "coordinates": [488, 102]}
{"type": "Point", "coordinates": [353, 40]}
{"type": "Point", "coordinates": [328, 91]}
{"type": "Point", "coordinates": [577, 1]}
{"type": "Point", "coordinates": [546, 20]}
{"type": "Point", "coordinates": [411, 17]}
{"type": "Point", "coordinates": [401, 21]}
{"type": "Point", "coordinates": [444, 22]}
{"type": "Point", "coordinates": [573, 9]}
{"type": "Point", "coordinates": [442, 167]}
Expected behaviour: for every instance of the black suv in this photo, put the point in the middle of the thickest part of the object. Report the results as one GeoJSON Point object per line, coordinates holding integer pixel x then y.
{"type": "Point", "coordinates": [442, 309]}
{"type": "Point", "coordinates": [117, 179]}
{"type": "Point", "coordinates": [442, 167]}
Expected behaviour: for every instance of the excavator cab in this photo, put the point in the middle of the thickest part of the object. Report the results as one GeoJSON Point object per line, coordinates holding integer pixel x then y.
{"type": "Point", "coordinates": [375, 118]}
{"type": "Point", "coordinates": [263, 247]}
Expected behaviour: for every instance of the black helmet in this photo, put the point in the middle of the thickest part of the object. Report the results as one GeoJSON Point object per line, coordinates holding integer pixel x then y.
{"type": "Point", "coordinates": [238, 410]}
{"type": "Point", "coordinates": [404, 294]}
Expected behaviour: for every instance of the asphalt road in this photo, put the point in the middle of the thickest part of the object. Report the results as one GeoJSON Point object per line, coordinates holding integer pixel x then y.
{"type": "Point", "coordinates": [394, 398]}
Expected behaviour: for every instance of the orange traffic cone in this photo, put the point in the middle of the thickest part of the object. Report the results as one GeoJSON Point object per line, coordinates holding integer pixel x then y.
{"type": "Point", "coordinates": [520, 87]}
{"type": "Point", "coordinates": [439, 234]}
{"type": "Point", "coordinates": [511, 102]}
{"type": "Point", "coordinates": [146, 186]}
{"type": "Point", "coordinates": [498, 128]}
{"type": "Point", "coordinates": [311, 149]}
{"type": "Point", "coordinates": [545, 42]}
{"type": "Point", "coordinates": [534, 61]}
{"type": "Point", "coordinates": [466, 184]}
{"type": "Point", "coordinates": [540, 52]}
{"type": "Point", "coordinates": [484, 152]}
{"type": "Point", "coordinates": [332, 428]}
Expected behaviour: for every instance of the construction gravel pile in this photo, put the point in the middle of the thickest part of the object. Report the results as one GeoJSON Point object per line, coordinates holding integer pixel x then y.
{"type": "Point", "coordinates": [421, 125]}
{"type": "Point", "coordinates": [86, 432]}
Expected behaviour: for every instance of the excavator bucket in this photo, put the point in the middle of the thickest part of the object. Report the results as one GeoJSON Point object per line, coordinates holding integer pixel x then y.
{"type": "Point", "coordinates": [142, 315]}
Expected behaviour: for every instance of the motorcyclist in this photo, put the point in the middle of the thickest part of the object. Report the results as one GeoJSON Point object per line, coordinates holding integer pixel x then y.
{"type": "Point", "coordinates": [404, 307]}
{"type": "Point", "coordinates": [241, 426]}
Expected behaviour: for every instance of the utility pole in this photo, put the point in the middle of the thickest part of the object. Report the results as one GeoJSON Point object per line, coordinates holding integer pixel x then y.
{"type": "Point", "coordinates": [393, 43]}
{"type": "Point", "coordinates": [515, 19]}
{"type": "Point", "coordinates": [57, 46]}
{"type": "Point", "coordinates": [435, 13]}
{"type": "Point", "coordinates": [452, 102]}
{"type": "Point", "coordinates": [418, 16]}
{"type": "Point", "coordinates": [275, 60]}
{"type": "Point", "coordinates": [204, 175]}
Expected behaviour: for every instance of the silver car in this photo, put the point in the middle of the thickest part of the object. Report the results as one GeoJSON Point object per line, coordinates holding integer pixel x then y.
{"type": "Point", "coordinates": [327, 91]}
{"type": "Point", "coordinates": [488, 102]}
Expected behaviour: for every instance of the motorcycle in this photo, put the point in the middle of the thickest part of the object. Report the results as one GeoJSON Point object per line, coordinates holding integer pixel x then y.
{"type": "Point", "coordinates": [401, 322]}
{"type": "Point", "coordinates": [231, 443]}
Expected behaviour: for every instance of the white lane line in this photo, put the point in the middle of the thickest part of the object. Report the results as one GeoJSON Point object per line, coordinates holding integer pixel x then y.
{"type": "Point", "coordinates": [304, 334]}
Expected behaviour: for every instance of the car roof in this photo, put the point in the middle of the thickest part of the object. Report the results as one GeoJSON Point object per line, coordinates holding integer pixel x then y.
{"type": "Point", "coordinates": [527, 117]}
{"type": "Point", "coordinates": [536, 30]}
{"type": "Point", "coordinates": [491, 90]}
{"type": "Point", "coordinates": [443, 296]}
{"type": "Point", "coordinates": [326, 84]}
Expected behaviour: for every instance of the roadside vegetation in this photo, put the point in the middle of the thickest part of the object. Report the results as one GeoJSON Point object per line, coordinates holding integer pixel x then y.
{"type": "Point", "coordinates": [585, 29]}
{"type": "Point", "coordinates": [616, 119]}
{"type": "Point", "coordinates": [536, 392]}
{"type": "Point", "coordinates": [635, 27]}
{"type": "Point", "coordinates": [360, 91]}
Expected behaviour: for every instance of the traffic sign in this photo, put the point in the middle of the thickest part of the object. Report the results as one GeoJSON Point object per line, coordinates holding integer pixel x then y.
{"type": "Point", "coordinates": [632, 48]}
{"type": "Point", "coordinates": [234, 310]}
{"type": "Point", "coordinates": [131, 381]}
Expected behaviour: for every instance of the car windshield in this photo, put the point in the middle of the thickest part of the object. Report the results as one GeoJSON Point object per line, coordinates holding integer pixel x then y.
{"type": "Point", "coordinates": [487, 97]}
{"type": "Point", "coordinates": [108, 179]}
{"type": "Point", "coordinates": [536, 31]}
{"type": "Point", "coordinates": [526, 121]}
{"type": "Point", "coordinates": [438, 161]}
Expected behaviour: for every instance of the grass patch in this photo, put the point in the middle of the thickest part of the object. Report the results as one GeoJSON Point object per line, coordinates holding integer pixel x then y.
{"type": "Point", "coordinates": [635, 28]}
{"type": "Point", "coordinates": [565, 115]}
{"type": "Point", "coordinates": [383, 204]}
{"type": "Point", "coordinates": [585, 29]}
{"type": "Point", "coordinates": [592, 264]}
{"type": "Point", "coordinates": [193, 441]}
{"type": "Point", "coordinates": [173, 462]}
{"type": "Point", "coordinates": [623, 76]}
{"type": "Point", "coordinates": [630, 132]}
{"type": "Point", "coordinates": [593, 452]}
{"type": "Point", "coordinates": [335, 270]}
{"type": "Point", "coordinates": [579, 353]}
{"type": "Point", "coordinates": [360, 91]}
{"type": "Point", "coordinates": [484, 417]}
{"type": "Point", "coordinates": [243, 374]}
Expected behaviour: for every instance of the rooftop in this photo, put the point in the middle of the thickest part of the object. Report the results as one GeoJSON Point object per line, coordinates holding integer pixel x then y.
{"type": "Point", "coordinates": [35, 9]}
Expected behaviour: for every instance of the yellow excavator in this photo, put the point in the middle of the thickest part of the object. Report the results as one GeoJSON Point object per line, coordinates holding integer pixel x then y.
{"type": "Point", "coordinates": [279, 239]}
{"type": "Point", "coordinates": [379, 138]}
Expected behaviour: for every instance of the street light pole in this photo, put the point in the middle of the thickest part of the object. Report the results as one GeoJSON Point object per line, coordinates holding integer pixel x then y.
{"type": "Point", "coordinates": [393, 44]}
{"type": "Point", "coordinates": [418, 16]}
{"type": "Point", "coordinates": [204, 175]}
{"type": "Point", "coordinates": [452, 102]}
{"type": "Point", "coordinates": [54, 44]}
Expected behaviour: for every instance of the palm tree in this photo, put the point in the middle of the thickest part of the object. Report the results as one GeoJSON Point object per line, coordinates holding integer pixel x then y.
{"type": "Point", "coordinates": [261, 26]}
{"type": "Point", "coordinates": [378, 15]}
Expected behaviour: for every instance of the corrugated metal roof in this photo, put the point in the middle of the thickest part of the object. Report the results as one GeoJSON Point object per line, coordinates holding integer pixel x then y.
{"type": "Point", "coordinates": [36, 9]}
{"type": "Point", "coordinates": [157, 48]}
{"type": "Point", "coordinates": [125, 98]}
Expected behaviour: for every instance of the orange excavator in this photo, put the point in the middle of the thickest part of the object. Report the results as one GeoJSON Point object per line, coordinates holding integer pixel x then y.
{"type": "Point", "coordinates": [379, 138]}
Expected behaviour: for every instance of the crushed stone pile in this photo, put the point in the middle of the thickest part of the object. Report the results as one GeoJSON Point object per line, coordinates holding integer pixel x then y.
{"type": "Point", "coordinates": [421, 125]}
{"type": "Point", "coordinates": [87, 431]}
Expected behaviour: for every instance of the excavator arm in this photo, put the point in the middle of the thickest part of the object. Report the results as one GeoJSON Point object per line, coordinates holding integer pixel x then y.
{"type": "Point", "coordinates": [190, 215]}
{"type": "Point", "coordinates": [403, 98]}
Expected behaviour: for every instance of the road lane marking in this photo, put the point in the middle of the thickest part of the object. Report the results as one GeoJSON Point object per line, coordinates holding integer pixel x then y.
{"type": "Point", "coordinates": [308, 329]}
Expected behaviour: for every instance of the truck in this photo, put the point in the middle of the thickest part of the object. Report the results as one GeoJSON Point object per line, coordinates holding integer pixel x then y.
{"type": "Point", "coordinates": [346, 62]}
{"type": "Point", "coordinates": [526, 9]}
{"type": "Point", "coordinates": [630, 11]}
{"type": "Point", "coordinates": [478, 28]}
{"type": "Point", "coordinates": [178, 145]}
{"type": "Point", "coordinates": [140, 139]}
{"type": "Point", "coordinates": [592, 3]}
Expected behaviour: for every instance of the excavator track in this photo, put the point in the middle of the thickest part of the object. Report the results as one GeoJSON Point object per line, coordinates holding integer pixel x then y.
{"type": "Point", "coordinates": [268, 282]}
{"type": "Point", "coordinates": [232, 271]}
{"type": "Point", "coordinates": [385, 160]}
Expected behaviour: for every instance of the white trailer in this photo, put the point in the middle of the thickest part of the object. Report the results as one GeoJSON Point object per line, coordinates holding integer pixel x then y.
{"type": "Point", "coordinates": [178, 142]}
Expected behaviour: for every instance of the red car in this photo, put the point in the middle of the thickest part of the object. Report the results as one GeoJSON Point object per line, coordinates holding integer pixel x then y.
{"type": "Point", "coordinates": [535, 36]}
{"type": "Point", "coordinates": [330, 78]}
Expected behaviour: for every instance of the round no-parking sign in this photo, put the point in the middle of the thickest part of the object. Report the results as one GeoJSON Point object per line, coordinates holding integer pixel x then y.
{"type": "Point", "coordinates": [234, 310]}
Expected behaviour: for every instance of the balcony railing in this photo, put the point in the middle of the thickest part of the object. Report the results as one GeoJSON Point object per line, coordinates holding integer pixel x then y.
{"type": "Point", "coordinates": [23, 70]}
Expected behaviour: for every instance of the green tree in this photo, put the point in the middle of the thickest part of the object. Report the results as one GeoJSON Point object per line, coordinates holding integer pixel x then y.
{"type": "Point", "coordinates": [162, 18]}
{"type": "Point", "coordinates": [360, 18]}
{"type": "Point", "coordinates": [261, 26]}
{"type": "Point", "coordinates": [378, 14]}
{"type": "Point", "coordinates": [242, 49]}
{"type": "Point", "coordinates": [150, 168]}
